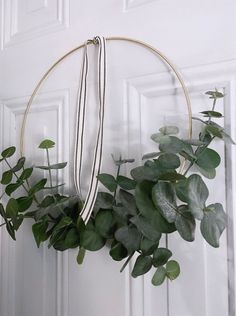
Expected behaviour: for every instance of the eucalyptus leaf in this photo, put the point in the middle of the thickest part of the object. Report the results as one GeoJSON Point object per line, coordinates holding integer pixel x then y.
{"type": "Point", "coordinates": [197, 194]}
{"type": "Point", "coordinates": [19, 165]}
{"type": "Point", "coordinates": [104, 223]}
{"type": "Point", "coordinates": [10, 188]}
{"type": "Point", "coordinates": [169, 161]}
{"type": "Point", "coordinates": [7, 177]}
{"type": "Point", "coordinates": [143, 173]}
{"type": "Point", "coordinates": [40, 232]}
{"type": "Point", "coordinates": [161, 256]}
{"type": "Point", "coordinates": [108, 181]}
{"type": "Point", "coordinates": [215, 131]}
{"type": "Point", "coordinates": [47, 144]}
{"type": "Point", "coordinates": [12, 208]}
{"type": "Point", "coordinates": [148, 246]}
{"type": "Point", "coordinates": [91, 240]}
{"type": "Point", "coordinates": [172, 269]}
{"type": "Point", "coordinates": [163, 196]}
{"type": "Point", "coordinates": [146, 228]}
{"type": "Point", "coordinates": [212, 114]}
{"type": "Point", "coordinates": [169, 130]}
{"type": "Point", "coordinates": [128, 201]}
{"type": "Point", "coordinates": [213, 224]}
{"type": "Point", "coordinates": [173, 147]}
{"type": "Point", "coordinates": [71, 238]}
{"type": "Point", "coordinates": [118, 252]}
{"type": "Point", "coordinates": [38, 186]}
{"type": "Point", "coordinates": [160, 138]}
{"type": "Point", "coordinates": [214, 94]}
{"type": "Point", "coordinates": [142, 265]}
{"type": "Point", "coordinates": [104, 200]}
{"type": "Point", "coordinates": [159, 276]}
{"type": "Point", "coordinates": [56, 166]}
{"type": "Point", "coordinates": [24, 203]}
{"type": "Point", "coordinates": [8, 152]}
{"type": "Point", "coordinates": [129, 237]}
{"type": "Point", "coordinates": [208, 159]}
{"type": "Point", "coordinates": [185, 223]}
{"type": "Point", "coordinates": [126, 183]}
{"type": "Point", "coordinates": [26, 173]}
{"type": "Point", "coordinates": [151, 155]}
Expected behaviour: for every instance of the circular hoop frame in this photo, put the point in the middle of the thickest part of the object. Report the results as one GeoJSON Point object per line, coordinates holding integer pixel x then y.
{"type": "Point", "coordinates": [151, 48]}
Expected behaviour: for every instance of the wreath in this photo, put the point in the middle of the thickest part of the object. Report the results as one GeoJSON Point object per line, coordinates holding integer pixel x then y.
{"type": "Point", "coordinates": [162, 196]}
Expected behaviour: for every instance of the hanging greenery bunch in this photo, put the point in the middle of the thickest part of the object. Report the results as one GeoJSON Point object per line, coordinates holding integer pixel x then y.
{"type": "Point", "coordinates": [132, 215]}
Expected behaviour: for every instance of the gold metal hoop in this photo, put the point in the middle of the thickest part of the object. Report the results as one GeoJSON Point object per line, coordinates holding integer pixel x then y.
{"type": "Point", "coordinates": [151, 48]}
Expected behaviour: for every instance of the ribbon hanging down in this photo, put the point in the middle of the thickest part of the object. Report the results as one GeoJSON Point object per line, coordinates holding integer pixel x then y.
{"type": "Point", "coordinates": [80, 126]}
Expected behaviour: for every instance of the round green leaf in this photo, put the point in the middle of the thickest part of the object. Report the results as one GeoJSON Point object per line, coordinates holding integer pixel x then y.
{"type": "Point", "coordinates": [118, 252]}
{"type": "Point", "coordinates": [24, 203]}
{"type": "Point", "coordinates": [161, 256]}
{"type": "Point", "coordinates": [126, 183]}
{"type": "Point", "coordinates": [163, 197]}
{"type": "Point", "coordinates": [7, 177]}
{"type": "Point", "coordinates": [159, 276]}
{"type": "Point", "coordinates": [108, 181]}
{"type": "Point", "coordinates": [104, 223]}
{"type": "Point", "coordinates": [12, 208]}
{"type": "Point", "coordinates": [142, 265]}
{"type": "Point", "coordinates": [129, 237]}
{"type": "Point", "coordinates": [148, 246]}
{"type": "Point", "coordinates": [169, 161]}
{"type": "Point", "coordinates": [213, 224]}
{"type": "Point", "coordinates": [146, 228]}
{"type": "Point", "coordinates": [91, 240]}
{"type": "Point", "coordinates": [172, 269]}
{"type": "Point", "coordinates": [169, 130]}
{"type": "Point", "coordinates": [8, 152]}
{"type": "Point", "coordinates": [174, 146]}
{"type": "Point", "coordinates": [208, 159]}
{"type": "Point", "coordinates": [47, 144]}
{"type": "Point", "coordinates": [185, 223]}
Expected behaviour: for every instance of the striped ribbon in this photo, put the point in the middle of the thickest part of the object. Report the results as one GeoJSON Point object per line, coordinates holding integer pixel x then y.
{"type": "Point", "coordinates": [80, 125]}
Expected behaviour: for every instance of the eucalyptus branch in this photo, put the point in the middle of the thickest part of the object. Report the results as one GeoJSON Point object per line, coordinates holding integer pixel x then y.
{"type": "Point", "coordinates": [127, 261]}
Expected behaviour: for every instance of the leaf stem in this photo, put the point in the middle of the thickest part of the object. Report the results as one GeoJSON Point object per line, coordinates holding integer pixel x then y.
{"type": "Point", "coordinates": [127, 261]}
{"type": "Point", "coordinates": [117, 174]}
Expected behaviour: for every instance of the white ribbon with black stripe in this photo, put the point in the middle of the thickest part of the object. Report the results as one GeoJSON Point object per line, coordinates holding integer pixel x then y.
{"type": "Point", "coordinates": [80, 124]}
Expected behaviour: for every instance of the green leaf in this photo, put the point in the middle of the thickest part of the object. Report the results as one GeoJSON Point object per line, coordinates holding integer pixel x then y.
{"type": "Point", "coordinates": [146, 228]}
{"type": "Point", "coordinates": [169, 130]}
{"type": "Point", "coordinates": [17, 221]}
{"type": "Point", "coordinates": [163, 196]}
{"type": "Point", "coordinates": [2, 211]}
{"type": "Point", "coordinates": [159, 276]}
{"type": "Point", "coordinates": [197, 194]}
{"type": "Point", "coordinates": [214, 94]}
{"type": "Point", "coordinates": [208, 159]}
{"type": "Point", "coordinates": [47, 144]}
{"type": "Point", "coordinates": [47, 201]}
{"type": "Point", "coordinates": [213, 224]}
{"type": "Point", "coordinates": [148, 210]}
{"type": "Point", "coordinates": [129, 237]}
{"type": "Point", "coordinates": [161, 256]}
{"type": "Point", "coordinates": [104, 223]}
{"type": "Point", "coordinates": [91, 240]}
{"type": "Point", "coordinates": [211, 114]}
{"type": "Point", "coordinates": [24, 203]}
{"type": "Point", "coordinates": [64, 222]}
{"type": "Point", "coordinates": [128, 201]}
{"type": "Point", "coordinates": [104, 200]}
{"type": "Point", "coordinates": [148, 246]}
{"type": "Point", "coordinates": [108, 181]}
{"type": "Point", "coordinates": [7, 177]}
{"type": "Point", "coordinates": [26, 174]}
{"type": "Point", "coordinates": [38, 186]}
{"type": "Point", "coordinates": [160, 138]}
{"type": "Point", "coordinates": [142, 265]}
{"type": "Point", "coordinates": [169, 161]}
{"type": "Point", "coordinates": [72, 238]}
{"type": "Point", "coordinates": [40, 232]}
{"type": "Point", "coordinates": [10, 188]}
{"type": "Point", "coordinates": [172, 269]}
{"type": "Point", "coordinates": [118, 252]}
{"type": "Point", "coordinates": [126, 183]}
{"type": "Point", "coordinates": [181, 189]}
{"type": "Point", "coordinates": [151, 155]}
{"type": "Point", "coordinates": [8, 152]}
{"type": "Point", "coordinates": [143, 173]}
{"type": "Point", "coordinates": [81, 255]}
{"type": "Point", "coordinates": [214, 131]}
{"type": "Point", "coordinates": [208, 173]}
{"type": "Point", "coordinates": [171, 176]}
{"type": "Point", "coordinates": [185, 223]}
{"type": "Point", "coordinates": [121, 214]}
{"type": "Point", "coordinates": [12, 208]}
{"type": "Point", "coordinates": [194, 142]}
{"type": "Point", "coordinates": [56, 166]}
{"type": "Point", "coordinates": [227, 138]}
{"type": "Point", "coordinates": [173, 147]}
{"type": "Point", "coordinates": [19, 165]}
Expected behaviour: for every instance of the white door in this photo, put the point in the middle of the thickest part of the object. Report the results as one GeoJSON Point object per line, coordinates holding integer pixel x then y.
{"type": "Point", "coordinates": [142, 96]}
